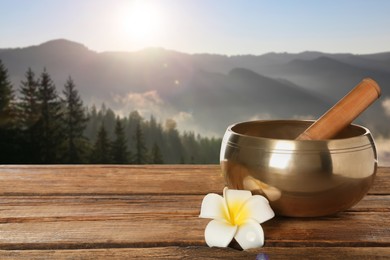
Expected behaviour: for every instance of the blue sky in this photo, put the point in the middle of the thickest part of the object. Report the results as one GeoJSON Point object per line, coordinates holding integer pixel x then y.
{"type": "Point", "coordinates": [201, 26]}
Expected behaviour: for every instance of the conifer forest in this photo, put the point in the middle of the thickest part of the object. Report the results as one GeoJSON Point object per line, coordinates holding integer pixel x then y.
{"type": "Point", "coordinates": [41, 123]}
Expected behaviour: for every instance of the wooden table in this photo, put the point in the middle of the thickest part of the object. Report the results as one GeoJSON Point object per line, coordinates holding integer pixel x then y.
{"type": "Point", "coordinates": [151, 212]}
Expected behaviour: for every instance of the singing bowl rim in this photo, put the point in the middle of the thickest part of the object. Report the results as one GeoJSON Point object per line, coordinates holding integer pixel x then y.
{"type": "Point", "coordinates": [361, 138]}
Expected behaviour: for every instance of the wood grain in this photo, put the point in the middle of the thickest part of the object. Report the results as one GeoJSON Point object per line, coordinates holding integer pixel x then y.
{"type": "Point", "coordinates": [382, 182]}
{"type": "Point", "coordinates": [125, 212]}
{"type": "Point", "coordinates": [200, 253]}
{"type": "Point", "coordinates": [169, 220]}
{"type": "Point", "coordinates": [54, 180]}
{"type": "Point", "coordinates": [122, 180]}
{"type": "Point", "coordinates": [27, 209]}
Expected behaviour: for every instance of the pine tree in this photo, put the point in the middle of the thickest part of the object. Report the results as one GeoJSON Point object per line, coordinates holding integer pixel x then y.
{"type": "Point", "coordinates": [140, 156]}
{"type": "Point", "coordinates": [175, 149]}
{"type": "Point", "coordinates": [191, 147]}
{"type": "Point", "coordinates": [29, 103]}
{"type": "Point", "coordinates": [109, 120]}
{"type": "Point", "coordinates": [74, 121]}
{"type": "Point", "coordinates": [49, 124]}
{"type": "Point", "coordinates": [101, 149]}
{"type": "Point", "coordinates": [8, 133]}
{"type": "Point", "coordinates": [156, 156]}
{"type": "Point", "coordinates": [92, 124]}
{"type": "Point", "coordinates": [133, 120]}
{"type": "Point", "coordinates": [6, 97]}
{"type": "Point", "coordinates": [209, 149]}
{"type": "Point", "coordinates": [29, 114]}
{"type": "Point", "coordinates": [119, 152]}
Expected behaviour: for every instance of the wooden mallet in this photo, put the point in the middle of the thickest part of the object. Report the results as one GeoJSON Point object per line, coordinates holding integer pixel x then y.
{"type": "Point", "coordinates": [344, 112]}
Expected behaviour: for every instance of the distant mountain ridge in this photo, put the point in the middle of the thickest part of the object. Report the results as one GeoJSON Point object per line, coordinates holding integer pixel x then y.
{"type": "Point", "coordinates": [207, 92]}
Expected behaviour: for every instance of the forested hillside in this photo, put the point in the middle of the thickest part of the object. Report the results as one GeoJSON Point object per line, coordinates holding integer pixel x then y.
{"type": "Point", "coordinates": [44, 124]}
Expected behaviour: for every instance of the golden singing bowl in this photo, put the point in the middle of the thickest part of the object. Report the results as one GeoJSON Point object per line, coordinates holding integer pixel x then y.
{"type": "Point", "coordinates": [300, 178]}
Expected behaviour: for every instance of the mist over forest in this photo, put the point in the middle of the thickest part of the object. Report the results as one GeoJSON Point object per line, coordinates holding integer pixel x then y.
{"type": "Point", "coordinates": [196, 96]}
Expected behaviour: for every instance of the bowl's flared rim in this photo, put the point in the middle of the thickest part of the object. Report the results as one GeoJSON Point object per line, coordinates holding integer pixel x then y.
{"type": "Point", "coordinates": [234, 138]}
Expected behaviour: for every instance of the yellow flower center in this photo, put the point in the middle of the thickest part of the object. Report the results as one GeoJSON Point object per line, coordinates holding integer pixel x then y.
{"type": "Point", "coordinates": [237, 214]}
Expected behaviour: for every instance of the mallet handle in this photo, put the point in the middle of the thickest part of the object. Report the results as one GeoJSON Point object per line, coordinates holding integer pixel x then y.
{"type": "Point", "coordinates": [344, 112]}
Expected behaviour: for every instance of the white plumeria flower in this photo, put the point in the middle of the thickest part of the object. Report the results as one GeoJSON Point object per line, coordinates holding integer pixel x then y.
{"type": "Point", "coordinates": [235, 215]}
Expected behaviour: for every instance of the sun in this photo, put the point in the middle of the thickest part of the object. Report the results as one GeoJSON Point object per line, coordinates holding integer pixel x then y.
{"type": "Point", "coordinates": [142, 22]}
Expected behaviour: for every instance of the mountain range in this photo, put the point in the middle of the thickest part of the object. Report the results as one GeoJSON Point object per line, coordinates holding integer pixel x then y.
{"type": "Point", "coordinates": [208, 92]}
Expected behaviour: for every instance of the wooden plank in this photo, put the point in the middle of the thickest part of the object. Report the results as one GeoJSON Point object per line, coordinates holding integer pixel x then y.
{"type": "Point", "coordinates": [106, 179]}
{"type": "Point", "coordinates": [114, 179]}
{"type": "Point", "coordinates": [146, 230]}
{"type": "Point", "coordinates": [175, 229]}
{"type": "Point", "coordinates": [202, 253]}
{"type": "Point", "coordinates": [140, 220]}
{"type": "Point", "coordinates": [372, 229]}
{"type": "Point", "coordinates": [373, 203]}
{"type": "Point", "coordinates": [26, 209]}
{"type": "Point", "coordinates": [382, 182]}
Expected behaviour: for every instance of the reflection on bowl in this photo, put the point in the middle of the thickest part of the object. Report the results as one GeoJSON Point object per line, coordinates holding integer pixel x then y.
{"type": "Point", "coordinates": [299, 178]}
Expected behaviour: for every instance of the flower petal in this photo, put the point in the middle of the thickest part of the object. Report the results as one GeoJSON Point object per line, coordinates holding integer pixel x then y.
{"type": "Point", "coordinates": [235, 198]}
{"type": "Point", "coordinates": [250, 235]}
{"type": "Point", "coordinates": [258, 209]}
{"type": "Point", "coordinates": [219, 233]}
{"type": "Point", "coordinates": [214, 207]}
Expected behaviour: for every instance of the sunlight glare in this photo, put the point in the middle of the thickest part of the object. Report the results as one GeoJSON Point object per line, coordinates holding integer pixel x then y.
{"type": "Point", "coordinates": [281, 159]}
{"type": "Point", "coordinates": [142, 22]}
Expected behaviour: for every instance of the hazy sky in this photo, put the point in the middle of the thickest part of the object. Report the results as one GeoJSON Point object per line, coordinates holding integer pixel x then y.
{"type": "Point", "coordinates": [201, 26]}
